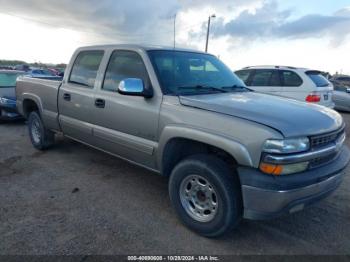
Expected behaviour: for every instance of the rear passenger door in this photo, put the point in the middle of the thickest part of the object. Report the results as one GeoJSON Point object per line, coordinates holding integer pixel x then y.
{"type": "Point", "coordinates": [265, 81]}
{"type": "Point", "coordinates": [76, 96]}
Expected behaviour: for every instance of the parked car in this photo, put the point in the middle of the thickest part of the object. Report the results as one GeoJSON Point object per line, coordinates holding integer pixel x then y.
{"type": "Point", "coordinates": [228, 152]}
{"type": "Point", "coordinates": [43, 74]}
{"type": "Point", "coordinates": [54, 71]}
{"type": "Point", "coordinates": [8, 108]}
{"type": "Point", "coordinates": [23, 67]}
{"type": "Point", "coordinates": [341, 97]}
{"type": "Point", "coordinates": [296, 83]}
{"type": "Point", "coordinates": [341, 80]}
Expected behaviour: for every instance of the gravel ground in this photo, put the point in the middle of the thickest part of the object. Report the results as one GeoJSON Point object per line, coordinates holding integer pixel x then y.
{"type": "Point", "coordinates": [75, 200]}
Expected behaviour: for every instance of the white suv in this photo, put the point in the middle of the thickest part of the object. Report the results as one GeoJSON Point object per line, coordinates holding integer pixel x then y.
{"type": "Point", "coordinates": [297, 83]}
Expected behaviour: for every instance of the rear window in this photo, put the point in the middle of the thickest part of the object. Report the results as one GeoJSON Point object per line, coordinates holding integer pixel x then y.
{"type": "Point", "coordinates": [318, 79]}
{"type": "Point", "coordinates": [8, 80]}
{"type": "Point", "coordinates": [85, 68]}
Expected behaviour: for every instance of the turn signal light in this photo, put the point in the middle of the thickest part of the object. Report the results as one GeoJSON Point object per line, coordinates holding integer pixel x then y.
{"type": "Point", "coordinates": [271, 169]}
{"type": "Point", "coordinates": [313, 98]}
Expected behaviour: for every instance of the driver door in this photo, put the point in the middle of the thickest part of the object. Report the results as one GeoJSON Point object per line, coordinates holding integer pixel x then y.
{"type": "Point", "coordinates": [126, 125]}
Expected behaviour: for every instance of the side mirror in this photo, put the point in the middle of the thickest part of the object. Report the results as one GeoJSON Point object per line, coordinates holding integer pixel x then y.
{"type": "Point", "coordinates": [348, 90]}
{"type": "Point", "coordinates": [134, 87]}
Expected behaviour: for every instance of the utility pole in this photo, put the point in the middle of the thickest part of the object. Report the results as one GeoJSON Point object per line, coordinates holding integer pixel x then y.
{"type": "Point", "coordinates": [208, 31]}
{"type": "Point", "coordinates": [174, 31]}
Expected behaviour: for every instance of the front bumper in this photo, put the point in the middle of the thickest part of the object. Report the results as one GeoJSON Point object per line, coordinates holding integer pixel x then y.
{"type": "Point", "coordinates": [268, 196]}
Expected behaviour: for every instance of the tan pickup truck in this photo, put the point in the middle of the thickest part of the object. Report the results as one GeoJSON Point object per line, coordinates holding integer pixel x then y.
{"type": "Point", "coordinates": [229, 153]}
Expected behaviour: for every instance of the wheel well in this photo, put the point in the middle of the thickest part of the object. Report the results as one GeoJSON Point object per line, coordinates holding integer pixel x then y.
{"type": "Point", "coordinates": [178, 149]}
{"type": "Point", "coordinates": [28, 107]}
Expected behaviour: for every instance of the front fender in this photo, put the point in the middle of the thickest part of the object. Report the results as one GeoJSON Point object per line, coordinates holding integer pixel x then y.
{"type": "Point", "coordinates": [234, 148]}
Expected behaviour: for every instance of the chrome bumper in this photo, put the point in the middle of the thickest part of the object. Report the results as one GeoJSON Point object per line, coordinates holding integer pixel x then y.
{"type": "Point", "coordinates": [264, 204]}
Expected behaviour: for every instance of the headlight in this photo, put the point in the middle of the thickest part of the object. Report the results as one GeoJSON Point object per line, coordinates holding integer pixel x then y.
{"type": "Point", "coordinates": [286, 146]}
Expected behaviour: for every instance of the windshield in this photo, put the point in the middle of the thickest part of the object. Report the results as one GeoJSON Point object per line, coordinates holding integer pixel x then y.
{"type": "Point", "coordinates": [8, 80]}
{"type": "Point", "coordinates": [318, 79]}
{"type": "Point", "coordinates": [187, 73]}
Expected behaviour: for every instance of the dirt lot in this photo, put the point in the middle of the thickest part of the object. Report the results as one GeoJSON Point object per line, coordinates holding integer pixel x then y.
{"type": "Point", "coordinates": [76, 200]}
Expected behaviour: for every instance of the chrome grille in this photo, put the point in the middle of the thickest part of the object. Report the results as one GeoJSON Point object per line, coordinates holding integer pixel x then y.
{"type": "Point", "coordinates": [326, 139]}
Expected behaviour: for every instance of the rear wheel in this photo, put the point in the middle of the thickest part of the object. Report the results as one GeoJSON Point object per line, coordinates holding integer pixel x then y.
{"type": "Point", "coordinates": [40, 137]}
{"type": "Point", "coordinates": [206, 195]}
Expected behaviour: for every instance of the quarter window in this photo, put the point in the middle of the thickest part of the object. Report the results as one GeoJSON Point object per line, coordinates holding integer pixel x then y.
{"type": "Point", "coordinates": [122, 65]}
{"type": "Point", "coordinates": [291, 79]}
{"type": "Point", "coordinates": [85, 68]}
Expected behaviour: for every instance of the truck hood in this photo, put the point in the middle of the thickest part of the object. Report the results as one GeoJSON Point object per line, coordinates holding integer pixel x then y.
{"type": "Point", "coordinates": [292, 118]}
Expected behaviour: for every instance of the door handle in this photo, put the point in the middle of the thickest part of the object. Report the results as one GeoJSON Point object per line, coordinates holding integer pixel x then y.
{"type": "Point", "coordinates": [66, 97]}
{"type": "Point", "coordinates": [100, 103]}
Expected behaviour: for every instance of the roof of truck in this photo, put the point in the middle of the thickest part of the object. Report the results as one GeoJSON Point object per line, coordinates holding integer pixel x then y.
{"type": "Point", "coordinates": [143, 47]}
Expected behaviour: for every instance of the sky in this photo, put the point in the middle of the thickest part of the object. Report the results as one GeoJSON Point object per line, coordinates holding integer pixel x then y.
{"type": "Point", "coordinates": [312, 34]}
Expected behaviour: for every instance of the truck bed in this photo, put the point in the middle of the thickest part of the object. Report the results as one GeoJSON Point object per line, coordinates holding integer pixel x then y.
{"type": "Point", "coordinates": [44, 92]}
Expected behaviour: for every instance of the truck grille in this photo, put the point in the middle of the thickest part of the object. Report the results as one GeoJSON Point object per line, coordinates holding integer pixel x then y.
{"type": "Point", "coordinates": [317, 162]}
{"type": "Point", "coordinates": [322, 141]}
{"type": "Point", "coordinates": [326, 139]}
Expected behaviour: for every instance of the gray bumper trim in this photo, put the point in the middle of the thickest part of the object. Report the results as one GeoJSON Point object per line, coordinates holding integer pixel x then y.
{"type": "Point", "coordinates": [270, 202]}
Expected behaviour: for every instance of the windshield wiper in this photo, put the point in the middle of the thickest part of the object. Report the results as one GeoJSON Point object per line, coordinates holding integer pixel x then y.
{"type": "Point", "coordinates": [200, 87]}
{"type": "Point", "coordinates": [237, 87]}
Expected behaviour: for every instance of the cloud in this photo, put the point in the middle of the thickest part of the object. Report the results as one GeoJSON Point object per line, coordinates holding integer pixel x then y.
{"type": "Point", "coordinates": [151, 21]}
{"type": "Point", "coordinates": [268, 22]}
{"type": "Point", "coordinates": [117, 20]}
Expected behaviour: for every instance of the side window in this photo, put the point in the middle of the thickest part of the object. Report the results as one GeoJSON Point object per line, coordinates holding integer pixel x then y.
{"type": "Point", "coordinates": [85, 68]}
{"type": "Point", "coordinates": [122, 65]}
{"type": "Point", "coordinates": [291, 79]}
{"type": "Point", "coordinates": [261, 77]}
{"type": "Point", "coordinates": [243, 75]}
{"type": "Point", "coordinates": [275, 79]}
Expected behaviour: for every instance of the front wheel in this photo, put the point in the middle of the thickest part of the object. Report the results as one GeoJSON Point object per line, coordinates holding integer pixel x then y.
{"type": "Point", "coordinates": [206, 195]}
{"type": "Point", "coordinates": [40, 137]}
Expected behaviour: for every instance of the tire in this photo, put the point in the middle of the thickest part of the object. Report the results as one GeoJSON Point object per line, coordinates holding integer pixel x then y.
{"type": "Point", "coordinates": [40, 137]}
{"type": "Point", "coordinates": [221, 213]}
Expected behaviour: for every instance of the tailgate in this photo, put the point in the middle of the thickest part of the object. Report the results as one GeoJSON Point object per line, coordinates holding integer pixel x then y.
{"type": "Point", "coordinates": [324, 88]}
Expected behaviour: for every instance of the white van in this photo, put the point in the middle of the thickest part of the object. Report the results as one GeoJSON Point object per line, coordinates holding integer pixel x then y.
{"type": "Point", "coordinates": [297, 83]}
